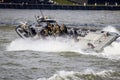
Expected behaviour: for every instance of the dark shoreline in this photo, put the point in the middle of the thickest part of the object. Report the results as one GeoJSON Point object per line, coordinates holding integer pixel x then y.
{"type": "Point", "coordinates": [58, 7]}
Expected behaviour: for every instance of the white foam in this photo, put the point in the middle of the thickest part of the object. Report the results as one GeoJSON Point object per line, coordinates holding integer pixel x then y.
{"type": "Point", "coordinates": [48, 45]}
{"type": "Point", "coordinates": [112, 51]}
{"type": "Point", "coordinates": [71, 75]}
{"type": "Point", "coordinates": [111, 29]}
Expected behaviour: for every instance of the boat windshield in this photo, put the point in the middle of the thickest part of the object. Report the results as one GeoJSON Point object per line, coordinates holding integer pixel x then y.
{"type": "Point", "coordinates": [50, 21]}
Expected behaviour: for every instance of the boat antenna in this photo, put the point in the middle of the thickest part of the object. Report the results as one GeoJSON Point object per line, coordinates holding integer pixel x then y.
{"type": "Point", "coordinates": [41, 13]}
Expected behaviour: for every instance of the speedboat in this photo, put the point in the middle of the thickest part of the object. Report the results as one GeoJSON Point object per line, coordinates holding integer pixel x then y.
{"type": "Point", "coordinates": [92, 39]}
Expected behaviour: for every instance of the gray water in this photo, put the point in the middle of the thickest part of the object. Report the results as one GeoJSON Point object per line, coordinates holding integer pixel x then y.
{"type": "Point", "coordinates": [57, 59]}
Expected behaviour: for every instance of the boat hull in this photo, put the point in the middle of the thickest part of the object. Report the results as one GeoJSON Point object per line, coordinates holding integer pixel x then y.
{"type": "Point", "coordinates": [21, 32]}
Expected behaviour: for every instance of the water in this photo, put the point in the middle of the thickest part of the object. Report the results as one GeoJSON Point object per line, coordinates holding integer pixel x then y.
{"type": "Point", "coordinates": [61, 58]}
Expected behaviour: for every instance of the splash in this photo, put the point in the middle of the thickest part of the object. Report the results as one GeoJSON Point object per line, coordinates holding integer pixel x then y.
{"type": "Point", "coordinates": [65, 45]}
{"type": "Point", "coordinates": [83, 75]}
{"type": "Point", "coordinates": [112, 51]}
{"type": "Point", "coordinates": [48, 45]}
{"type": "Point", "coordinates": [111, 29]}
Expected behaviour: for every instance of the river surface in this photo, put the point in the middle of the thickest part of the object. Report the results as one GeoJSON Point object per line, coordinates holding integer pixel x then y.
{"type": "Point", "coordinates": [61, 58]}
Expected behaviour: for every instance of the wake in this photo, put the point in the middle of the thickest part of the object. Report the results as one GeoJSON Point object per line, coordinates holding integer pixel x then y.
{"type": "Point", "coordinates": [87, 74]}
{"type": "Point", "coordinates": [47, 45]}
{"type": "Point", "coordinates": [65, 45]}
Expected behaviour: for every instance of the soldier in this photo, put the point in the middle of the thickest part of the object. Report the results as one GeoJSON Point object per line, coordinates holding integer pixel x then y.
{"type": "Point", "coordinates": [44, 33]}
{"type": "Point", "coordinates": [50, 29]}
{"type": "Point", "coordinates": [57, 31]}
{"type": "Point", "coordinates": [63, 29]}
